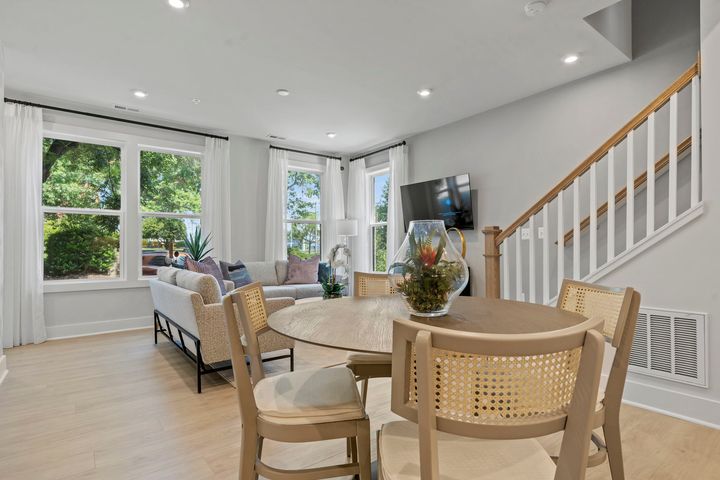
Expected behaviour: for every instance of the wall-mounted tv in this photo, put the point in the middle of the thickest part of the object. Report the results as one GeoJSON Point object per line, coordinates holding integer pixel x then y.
{"type": "Point", "coordinates": [446, 199]}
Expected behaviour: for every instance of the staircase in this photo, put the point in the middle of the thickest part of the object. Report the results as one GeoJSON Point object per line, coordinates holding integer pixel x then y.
{"type": "Point", "coordinates": [602, 214]}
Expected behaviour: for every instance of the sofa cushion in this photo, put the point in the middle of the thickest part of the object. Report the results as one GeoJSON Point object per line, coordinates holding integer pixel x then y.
{"type": "Point", "coordinates": [302, 271]}
{"type": "Point", "coordinates": [276, 291]}
{"type": "Point", "coordinates": [168, 275]}
{"type": "Point", "coordinates": [281, 269]}
{"type": "Point", "coordinates": [309, 290]}
{"type": "Point", "coordinates": [263, 272]}
{"type": "Point", "coordinates": [236, 273]}
{"type": "Point", "coordinates": [206, 285]}
{"type": "Point", "coordinates": [210, 267]}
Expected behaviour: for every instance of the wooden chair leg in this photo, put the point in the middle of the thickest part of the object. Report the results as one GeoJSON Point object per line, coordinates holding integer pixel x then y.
{"type": "Point", "coordinates": [365, 390]}
{"type": "Point", "coordinates": [292, 359]}
{"type": "Point", "coordinates": [379, 459]}
{"type": "Point", "coordinates": [363, 449]}
{"type": "Point", "coordinates": [248, 454]}
{"type": "Point", "coordinates": [611, 431]}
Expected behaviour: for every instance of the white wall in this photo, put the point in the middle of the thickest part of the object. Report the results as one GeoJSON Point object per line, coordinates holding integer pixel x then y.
{"type": "Point", "coordinates": [3, 369]}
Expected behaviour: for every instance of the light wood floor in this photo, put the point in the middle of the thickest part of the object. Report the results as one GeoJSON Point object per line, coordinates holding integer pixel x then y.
{"type": "Point", "coordinates": [118, 407]}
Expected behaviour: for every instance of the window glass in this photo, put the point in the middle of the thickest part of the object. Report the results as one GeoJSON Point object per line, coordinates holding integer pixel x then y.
{"type": "Point", "coordinates": [303, 214]}
{"type": "Point", "coordinates": [169, 183]}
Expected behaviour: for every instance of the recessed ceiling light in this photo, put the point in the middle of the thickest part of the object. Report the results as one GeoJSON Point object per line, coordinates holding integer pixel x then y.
{"type": "Point", "coordinates": [424, 92]}
{"type": "Point", "coordinates": [196, 101]}
{"type": "Point", "coordinates": [140, 93]}
{"type": "Point", "coordinates": [572, 58]}
{"type": "Point", "coordinates": [179, 4]}
{"type": "Point", "coordinates": [331, 134]}
{"type": "Point", "coordinates": [282, 92]}
{"type": "Point", "coordinates": [535, 8]}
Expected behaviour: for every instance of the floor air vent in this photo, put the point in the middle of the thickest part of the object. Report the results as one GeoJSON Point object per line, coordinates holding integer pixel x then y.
{"type": "Point", "coordinates": [670, 345]}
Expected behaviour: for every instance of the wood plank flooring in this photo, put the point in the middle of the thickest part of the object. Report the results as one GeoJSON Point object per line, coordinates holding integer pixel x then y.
{"type": "Point", "coordinates": [117, 406]}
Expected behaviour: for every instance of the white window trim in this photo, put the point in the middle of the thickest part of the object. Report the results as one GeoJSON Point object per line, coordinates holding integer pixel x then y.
{"type": "Point", "coordinates": [371, 173]}
{"type": "Point", "coordinates": [130, 145]}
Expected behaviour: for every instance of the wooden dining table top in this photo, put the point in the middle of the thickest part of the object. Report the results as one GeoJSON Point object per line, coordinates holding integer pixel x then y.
{"type": "Point", "coordinates": [364, 324]}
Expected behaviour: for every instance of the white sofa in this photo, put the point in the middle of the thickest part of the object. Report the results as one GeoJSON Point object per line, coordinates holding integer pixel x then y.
{"type": "Point", "coordinates": [189, 312]}
{"type": "Point", "coordinates": [273, 276]}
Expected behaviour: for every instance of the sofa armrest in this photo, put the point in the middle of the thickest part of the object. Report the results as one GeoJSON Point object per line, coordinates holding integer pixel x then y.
{"type": "Point", "coordinates": [229, 285]}
{"type": "Point", "coordinates": [275, 304]}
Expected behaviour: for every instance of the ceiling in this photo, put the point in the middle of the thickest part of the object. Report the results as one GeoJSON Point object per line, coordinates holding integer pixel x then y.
{"type": "Point", "coordinates": [352, 66]}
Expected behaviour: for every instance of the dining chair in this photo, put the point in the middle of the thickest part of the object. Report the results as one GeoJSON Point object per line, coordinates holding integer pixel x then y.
{"type": "Point", "coordinates": [618, 309]}
{"type": "Point", "coordinates": [370, 365]}
{"type": "Point", "coordinates": [301, 406]}
{"type": "Point", "coordinates": [474, 403]}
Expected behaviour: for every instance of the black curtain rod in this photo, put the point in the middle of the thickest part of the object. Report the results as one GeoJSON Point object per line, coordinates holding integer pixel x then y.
{"type": "Point", "coordinates": [378, 151]}
{"type": "Point", "coordinates": [305, 153]}
{"type": "Point", "coordinates": [115, 119]}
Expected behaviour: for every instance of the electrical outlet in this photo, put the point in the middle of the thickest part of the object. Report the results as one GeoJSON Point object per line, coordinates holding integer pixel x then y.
{"type": "Point", "coordinates": [525, 234]}
{"type": "Point", "coordinates": [541, 233]}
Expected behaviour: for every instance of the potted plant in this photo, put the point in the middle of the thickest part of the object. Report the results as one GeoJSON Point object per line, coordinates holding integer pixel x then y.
{"type": "Point", "coordinates": [196, 246]}
{"type": "Point", "coordinates": [331, 288]}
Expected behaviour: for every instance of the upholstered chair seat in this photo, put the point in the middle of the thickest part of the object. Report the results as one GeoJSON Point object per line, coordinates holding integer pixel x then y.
{"type": "Point", "coordinates": [358, 358]}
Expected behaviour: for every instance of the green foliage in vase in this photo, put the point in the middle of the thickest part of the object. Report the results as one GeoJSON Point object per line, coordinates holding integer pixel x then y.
{"type": "Point", "coordinates": [428, 279]}
{"type": "Point", "coordinates": [332, 289]}
{"type": "Point", "coordinates": [197, 246]}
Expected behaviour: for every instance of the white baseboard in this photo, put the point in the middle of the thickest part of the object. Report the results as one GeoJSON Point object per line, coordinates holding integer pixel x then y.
{"type": "Point", "coordinates": [681, 405]}
{"type": "Point", "coordinates": [57, 332]}
{"type": "Point", "coordinates": [3, 368]}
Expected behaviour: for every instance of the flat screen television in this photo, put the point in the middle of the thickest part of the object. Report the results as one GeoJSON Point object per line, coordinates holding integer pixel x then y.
{"type": "Point", "coordinates": [446, 199]}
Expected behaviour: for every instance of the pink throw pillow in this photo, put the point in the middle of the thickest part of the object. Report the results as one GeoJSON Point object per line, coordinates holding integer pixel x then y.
{"type": "Point", "coordinates": [302, 271]}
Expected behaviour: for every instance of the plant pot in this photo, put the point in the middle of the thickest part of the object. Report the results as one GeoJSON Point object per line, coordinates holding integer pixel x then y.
{"type": "Point", "coordinates": [427, 270]}
{"type": "Point", "coordinates": [330, 296]}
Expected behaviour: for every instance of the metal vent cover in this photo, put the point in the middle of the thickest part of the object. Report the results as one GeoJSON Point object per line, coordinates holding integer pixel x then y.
{"type": "Point", "coordinates": [671, 345]}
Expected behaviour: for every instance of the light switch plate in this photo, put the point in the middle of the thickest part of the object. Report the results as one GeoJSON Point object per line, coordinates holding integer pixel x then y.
{"type": "Point", "coordinates": [541, 232]}
{"type": "Point", "coordinates": [525, 234]}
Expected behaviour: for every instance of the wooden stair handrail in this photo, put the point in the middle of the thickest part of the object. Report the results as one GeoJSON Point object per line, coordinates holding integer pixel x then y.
{"type": "Point", "coordinates": [622, 193]}
{"type": "Point", "coordinates": [681, 82]}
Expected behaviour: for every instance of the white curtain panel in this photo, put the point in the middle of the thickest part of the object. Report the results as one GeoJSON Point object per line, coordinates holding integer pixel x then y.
{"type": "Point", "coordinates": [22, 227]}
{"type": "Point", "coordinates": [398, 177]}
{"type": "Point", "coordinates": [358, 208]}
{"type": "Point", "coordinates": [332, 204]}
{"type": "Point", "coordinates": [275, 235]}
{"type": "Point", "coordinates": [215, 193]}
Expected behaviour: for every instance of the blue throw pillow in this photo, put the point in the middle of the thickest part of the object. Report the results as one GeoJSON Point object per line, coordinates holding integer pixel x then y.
{"type": "Point", "coordinates": [324, 272]}
{"type": "Point", "coordinates": [236, 273]}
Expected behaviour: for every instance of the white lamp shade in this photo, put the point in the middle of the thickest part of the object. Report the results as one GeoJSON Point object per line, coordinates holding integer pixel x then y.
{"type": "Point", "coordinates": [347, 227]}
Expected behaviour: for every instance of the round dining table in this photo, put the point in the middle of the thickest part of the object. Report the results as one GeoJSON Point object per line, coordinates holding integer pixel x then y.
{"type": "Point", "coordinates": [364, 324]}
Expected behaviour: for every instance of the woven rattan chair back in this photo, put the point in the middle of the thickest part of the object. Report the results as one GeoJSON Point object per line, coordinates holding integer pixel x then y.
{"type": "Point", "coordinates": [498, 386]}
{"type": "Point", "coordinates": [372, 285]}
{"type": "Point", "coordinates": [612, 305]}
{"type": "Point", "coordinates": [251, 309]}
{"type": "Point", "coordinates": [241, 373]}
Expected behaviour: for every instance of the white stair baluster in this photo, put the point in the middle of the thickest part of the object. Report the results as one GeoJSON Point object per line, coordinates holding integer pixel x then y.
{"type": "Point", "coordinates": [519, 295]}
{"type": "Point", "coordinates": [611, 205]}
{"type": "Point", "coordinates": [593, 217]}
{"type": "Point", "coordinates": [650, 183]}
{"type": "Point", "coordinates": [630, 192]}
{"type": "Point", "coordinates": [560, 242]}
{"type": "Point", "coordinates": [506, 269]}
{"type": "Point", "coordinates": [531, 259]}
{"type": "Point", "coordinates": [546, 254]}
{"type": "Point", "coordinates": [695, 146]}
{"type": "Point", "coordinates": [576, 228]}
{"type": "Point", "coordinates": [672, 179]}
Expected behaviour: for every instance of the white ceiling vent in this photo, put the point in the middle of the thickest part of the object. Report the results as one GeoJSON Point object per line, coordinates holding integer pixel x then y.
{"type": "Point", "coordinates": [671, 345]}
{"type": "Point", "coordinates": [126, 109]}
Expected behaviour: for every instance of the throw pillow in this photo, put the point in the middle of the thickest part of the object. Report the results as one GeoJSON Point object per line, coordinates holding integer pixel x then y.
{"type": "Point", "coordinates": [209, 267]}
{"type": "Point", "coordinates": [324, 272]}
{"type": "Point", "coordinates": [302, 271]}
{"type": "Point", "coordinates": [236, 273]}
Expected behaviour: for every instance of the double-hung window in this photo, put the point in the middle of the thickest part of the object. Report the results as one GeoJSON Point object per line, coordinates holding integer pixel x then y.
{"type": "Point", "coordinates": [169, 205]}
{"type": "Point", "coordinates": [81, 198]}
{"type": "Point", "coordinates": [379, 185]}
{"type": "Point", "coordinates": [302, 220]}
{"type": "Point", "coordinates": [116, 206]}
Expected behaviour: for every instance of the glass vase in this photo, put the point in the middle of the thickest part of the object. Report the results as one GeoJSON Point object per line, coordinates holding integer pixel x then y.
{"type": "Point", "coordinates": [427, 270]}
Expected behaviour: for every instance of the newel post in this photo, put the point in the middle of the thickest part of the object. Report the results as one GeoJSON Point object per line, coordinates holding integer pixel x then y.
{"type": "Point", "coordinates": [492, 262]}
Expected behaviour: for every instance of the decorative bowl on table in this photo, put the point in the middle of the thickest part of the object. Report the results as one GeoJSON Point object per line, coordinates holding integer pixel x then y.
{"type": "Point", "coordinates": [427, 270]}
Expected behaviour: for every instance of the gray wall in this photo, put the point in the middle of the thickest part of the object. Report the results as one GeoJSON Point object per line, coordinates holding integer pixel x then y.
{"type": "Point", "coordinates": [517, 152]}
{"type": "Point", "coordinates": [2, 153]}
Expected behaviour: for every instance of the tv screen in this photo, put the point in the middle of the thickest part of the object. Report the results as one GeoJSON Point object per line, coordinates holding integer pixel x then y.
{"type": "Point", "coordinates": [446, 199]}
